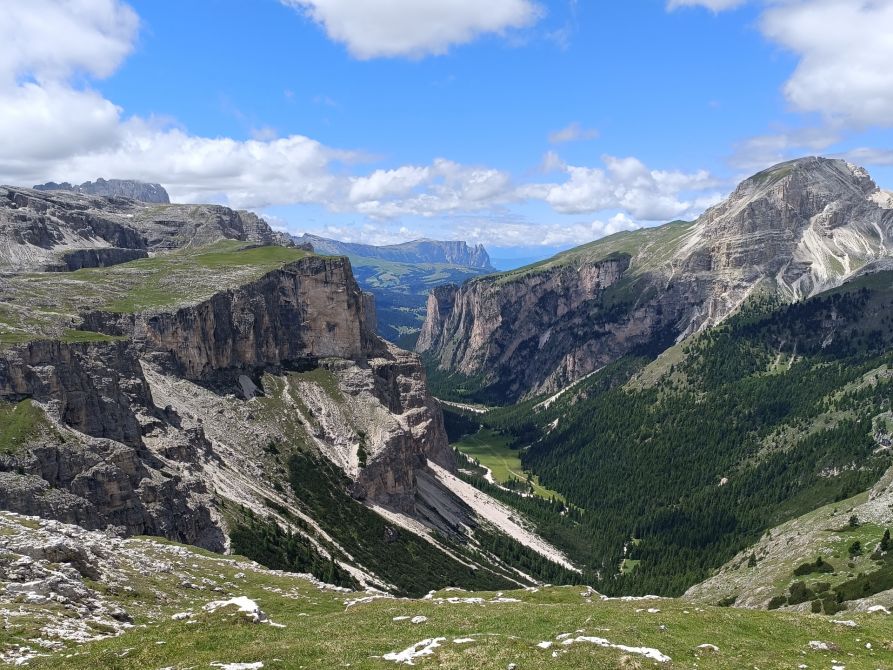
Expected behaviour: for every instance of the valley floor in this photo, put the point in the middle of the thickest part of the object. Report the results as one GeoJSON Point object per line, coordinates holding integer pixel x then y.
{"type": "Point", "coordinates": [188, 608]}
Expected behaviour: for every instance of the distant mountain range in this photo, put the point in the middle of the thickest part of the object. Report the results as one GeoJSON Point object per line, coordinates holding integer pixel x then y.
{"type": "Point", "coordinates": [400, 276]}
{"type": "Point", "coordinates": [111, 188]}
{"type": "Point", "coordinates": [418, 251]}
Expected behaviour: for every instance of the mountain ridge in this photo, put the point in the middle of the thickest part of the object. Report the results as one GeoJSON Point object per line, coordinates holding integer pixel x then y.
{"type": "Point", "coordinates": [114, 188]}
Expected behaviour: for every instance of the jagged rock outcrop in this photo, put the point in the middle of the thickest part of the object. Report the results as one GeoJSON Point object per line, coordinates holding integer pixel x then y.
{"type": "Point", "coordinates": [58, 230]}
{"type": "Point", "coordinates": [451, 252]}
{"type": "Point", "coordinates": [96, 467]}
{"type": "Point", "coordinates": [794, 230]}
{"type": "Point", "coordinates": [114, 188]}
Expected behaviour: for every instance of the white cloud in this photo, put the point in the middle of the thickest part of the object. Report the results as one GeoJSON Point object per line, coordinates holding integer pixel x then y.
{"type": "Point", "coordinates": [712, 5]}
{"type": "Point", "coordinates": [443, 187]}
{"type": "Point", "coordinates": [573, 132]}
{"type": "Point", "coordinates": [530, 234]}
{"type": "Point", "coordinates": [846, 51]}
{"type": "Point", "coordinates": [762, 151]}
{"type": "Point", "coordinates": [54, 129]}
{"type": "Point", "coordinates": [49, 39]}
{"type": "Point", "coordinates": [414, 28]}
{"type": "Point", "coordinates": [844, 48]}
{"type": "Point", "coordinates": [384, 183]}
{"type": "Point", "coordinates": [627, 184]}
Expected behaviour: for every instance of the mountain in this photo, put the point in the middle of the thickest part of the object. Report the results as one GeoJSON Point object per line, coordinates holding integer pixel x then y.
{"type": "Point", "coordinates": [400, 276]}
{"type": "Point", "coordinates": [793, 230]}
{"type": "Point", "coordinates": [228, 392]}
{"type": "Point", "coordinates": [58, 230]}
{"type": "Point", "coordinates": [114, 188]}
{"type": "Point", "coordinates": [416, 252]}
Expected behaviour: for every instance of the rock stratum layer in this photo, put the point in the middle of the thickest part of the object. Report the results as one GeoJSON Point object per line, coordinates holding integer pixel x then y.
{"type": "Point", "coordinates": [793, 230]}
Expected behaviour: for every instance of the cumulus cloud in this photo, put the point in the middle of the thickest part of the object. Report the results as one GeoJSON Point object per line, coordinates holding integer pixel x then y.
{"type": "Point", "coordinates": [528, 234]}
{"type": "Point", "coordinates": [573, 132]}
{"type": "Point", "coordinates": [713, 5]}
{"type": "Point", "coordinates": [388, 28]}
{"type": "Point", "coordinates": [845, 55]}
{"type": "Point", "coordinates": [443, 187]}
{"type": "Point", "coordinates": [626, 184]}
{"type": "Point", "coordinates": [53, 126]}
{"type": "Point", "coordinates": [499, 231]}
{"type": "Point", "coordinates": [50, 40]}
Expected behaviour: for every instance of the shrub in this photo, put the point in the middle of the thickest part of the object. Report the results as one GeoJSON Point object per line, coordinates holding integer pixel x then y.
{"type": "Point", "coordinates": [777, 602]}
{"type": "Point", "coordinates": [820, 565]}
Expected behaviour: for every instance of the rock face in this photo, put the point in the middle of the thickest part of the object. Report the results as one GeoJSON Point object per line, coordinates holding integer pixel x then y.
{"type": "Point", "coordinates": [310, 309]}
{"type": "Point", "coordinates": [417, 251]}
{"type": "Point", "coordinates": [57, 230]}
{"type": "Point", "coordinates": [794, 230]}
{"type": "Point", "coordinates": [114, 188]}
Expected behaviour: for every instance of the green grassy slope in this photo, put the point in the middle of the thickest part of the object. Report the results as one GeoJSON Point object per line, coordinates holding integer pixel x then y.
{"type": "Point", "coordinates": [695, 455]}
{"type": "Point", "coordinates": [320, 628]}
{"type": "Point", "coordinates": [43, 305]}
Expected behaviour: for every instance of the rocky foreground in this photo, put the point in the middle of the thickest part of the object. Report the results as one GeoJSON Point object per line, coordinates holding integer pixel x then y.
{"type": "Point", "coordinates": [77, 599]}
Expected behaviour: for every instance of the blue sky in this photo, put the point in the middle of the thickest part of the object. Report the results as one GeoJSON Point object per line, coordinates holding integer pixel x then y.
{"type": "Point", "coordinates": [527, 125]}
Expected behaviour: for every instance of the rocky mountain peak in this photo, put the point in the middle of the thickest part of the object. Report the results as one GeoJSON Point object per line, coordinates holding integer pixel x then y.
{"type": "Point", "coordinates": [114, 188]}
{"type": "Point", "coordinates": [806, 223]}
{"type": "Point", "coordinates": [795, 229]}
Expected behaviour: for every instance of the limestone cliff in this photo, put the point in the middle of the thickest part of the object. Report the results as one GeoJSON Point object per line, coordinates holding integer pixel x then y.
{"type": "Point", "coordinates": [452, 252]}
{"type": "Point", "coordinates": [793, 230]}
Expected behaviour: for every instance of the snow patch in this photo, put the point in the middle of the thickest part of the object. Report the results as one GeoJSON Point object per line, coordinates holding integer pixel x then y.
{"type": "Point", "coordinates": [647, 652]}
{"type": "Point", "coordinates": [244, 605]}
{"type": "Point", "coordinates": [419, 649]}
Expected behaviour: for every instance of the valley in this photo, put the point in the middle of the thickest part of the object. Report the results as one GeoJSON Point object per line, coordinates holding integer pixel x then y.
{"type": "Point", "coordinates": [726, 467]}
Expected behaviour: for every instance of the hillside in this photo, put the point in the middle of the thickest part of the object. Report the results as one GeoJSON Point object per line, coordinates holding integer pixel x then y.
{"type": "Point", "coordinates": [793, 230]}
{"type": "Point", "coordinates": [141, 603]}
{"type": "Point", "coordinates": [400, 276]}
{"type": "Point", "coordinates": [671, 467]}
{"type": "Point", "coordinates": [228, 392]}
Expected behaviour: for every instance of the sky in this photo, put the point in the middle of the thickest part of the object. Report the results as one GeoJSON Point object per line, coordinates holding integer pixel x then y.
{"type": "Point", "coordinates": [526, 125]}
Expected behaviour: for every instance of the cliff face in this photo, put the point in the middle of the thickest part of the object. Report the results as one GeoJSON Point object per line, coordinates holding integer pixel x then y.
{"type": "Point", "coordinates": [796, 229]}
{"type": "Point", "coordinates": [309, 309]}
{"type": "Point", "coordinates": [95, 465]}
